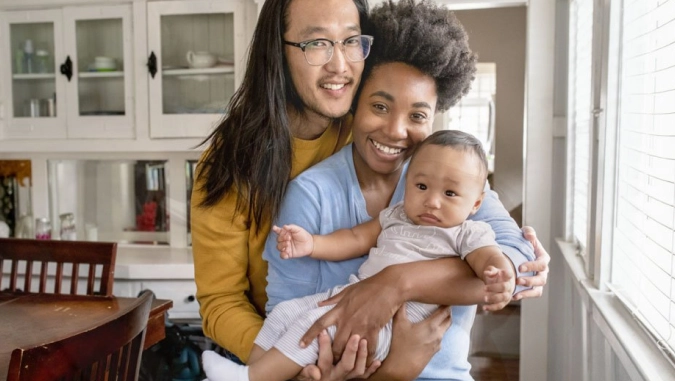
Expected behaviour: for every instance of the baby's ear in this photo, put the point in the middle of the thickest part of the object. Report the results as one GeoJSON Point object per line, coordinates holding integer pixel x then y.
{"type": "Point", "coordinates": [478, 203]}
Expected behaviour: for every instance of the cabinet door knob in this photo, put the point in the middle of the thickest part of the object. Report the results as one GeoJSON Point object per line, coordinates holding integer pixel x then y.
{"type": "Point", "coordinates": [152, 64]}
{"type": "Point", "coordinates": [190, 299]}
{"type": "Point", "coordinates": [67, 68]}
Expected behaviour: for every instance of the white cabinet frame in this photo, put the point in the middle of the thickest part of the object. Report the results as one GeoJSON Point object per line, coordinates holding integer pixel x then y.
{"type": "Point", "coordinates": [188, 125]}
{"type": "Point", "coordinates": [108, 126]}
{"type": "Point", "coordinates": [23, 127]}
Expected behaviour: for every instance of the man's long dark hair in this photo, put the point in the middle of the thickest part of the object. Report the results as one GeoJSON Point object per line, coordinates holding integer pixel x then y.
{"type": "Point", "coordinates": [251, 149]}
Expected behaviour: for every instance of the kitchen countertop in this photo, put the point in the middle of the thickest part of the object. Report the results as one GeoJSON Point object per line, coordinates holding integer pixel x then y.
{"type": "Point", "coordinates": [153, 262]}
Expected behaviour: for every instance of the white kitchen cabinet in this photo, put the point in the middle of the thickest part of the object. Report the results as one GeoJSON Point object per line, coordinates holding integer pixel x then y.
{"type": "Point", "coordinates": [167, 272]}
{"type": "Point", "coordinates": [99, 95]}
{"type": "Point", "coordinates": [26, 91]}
{"type": "Point", "coordinates": [119, 70]}
{"type": "Point", "coordinates": [56, 85]}
{"type": "Point", "coordinates": [181, 292]}
{"type": "Point", "coordinates": [187, 100]}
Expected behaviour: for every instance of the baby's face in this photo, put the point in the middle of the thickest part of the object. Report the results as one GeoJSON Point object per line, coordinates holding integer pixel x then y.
{"type": "Point", "coordinates": [444, 186]}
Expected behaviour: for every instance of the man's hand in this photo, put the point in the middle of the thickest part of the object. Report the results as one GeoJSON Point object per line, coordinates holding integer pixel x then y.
{"type": "Point", "coordinates": [539, 265]}
{"type": "Point", "coordinates": [413, 344]}
{"type": "Point", "coordinates": [351, 365]}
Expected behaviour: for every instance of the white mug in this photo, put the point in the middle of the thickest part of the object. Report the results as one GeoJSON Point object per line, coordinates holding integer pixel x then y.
{"type": "Point", "coordinates": [200, 59]}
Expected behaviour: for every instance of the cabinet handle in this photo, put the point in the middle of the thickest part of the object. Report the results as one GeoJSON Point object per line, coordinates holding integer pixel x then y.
{"type": "Point", "coordinates": [152, 64]}
{"type": "Point", "coordinates": [190, 299]}
{"type": "Point", "coordinates": [67, 68]}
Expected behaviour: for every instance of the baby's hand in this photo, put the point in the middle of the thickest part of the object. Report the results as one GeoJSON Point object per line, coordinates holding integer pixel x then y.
{"type": "Point", "coordinates": [293, 241]}
{"type": "Point", "coordinates": [499, 286]}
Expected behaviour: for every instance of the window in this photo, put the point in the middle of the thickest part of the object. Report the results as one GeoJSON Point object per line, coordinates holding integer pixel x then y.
{"type": "Point", "coordinates": [635, 158]}
{"type": "Point", "coordinates": [643, 246]}
{"type": "Point", "coordinates": [581, 42]}
{"type": "Point", "coordinates": [475, 112]}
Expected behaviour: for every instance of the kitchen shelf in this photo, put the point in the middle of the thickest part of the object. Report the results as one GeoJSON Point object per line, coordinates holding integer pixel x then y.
{"type": "Point", "coordinates": [102, 74]}
{"type": "Point", "coordinates": [34, 76]}
{"type": "Point", "coordinates": [211, 70]}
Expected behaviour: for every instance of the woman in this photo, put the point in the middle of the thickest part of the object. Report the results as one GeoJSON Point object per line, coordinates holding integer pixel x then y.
{"type": "Point", "coordinates": [421, 64]}
{"type": "Point", "coordinates": [227, 240]}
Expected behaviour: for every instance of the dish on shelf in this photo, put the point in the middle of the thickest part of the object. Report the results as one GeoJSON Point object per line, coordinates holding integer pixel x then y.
{"type": "Point", "coordinates": [201, 59]}
{"type": "Point", "coordinates": [93, 70]}
{"type": "Point", "coordinates": [102, 64]}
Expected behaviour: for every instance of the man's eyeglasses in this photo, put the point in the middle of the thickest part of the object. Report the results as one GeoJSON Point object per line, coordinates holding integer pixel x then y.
{"type": "Point", "coordinates": [320, 51]}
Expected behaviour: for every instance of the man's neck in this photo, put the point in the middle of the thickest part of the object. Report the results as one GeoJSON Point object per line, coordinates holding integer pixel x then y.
{"type": "Point", "coordinates": [307, 126]}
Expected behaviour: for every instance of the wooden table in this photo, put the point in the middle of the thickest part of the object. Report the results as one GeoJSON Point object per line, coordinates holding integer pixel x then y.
{"type": "Point", "coordinates": [27, 320]}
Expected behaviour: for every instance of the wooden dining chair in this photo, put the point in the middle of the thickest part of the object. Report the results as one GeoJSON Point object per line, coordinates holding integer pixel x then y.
{"type": "Point", "coordinates": [25, 255]}
{"type": "Point", "coordinates": [111, 351]}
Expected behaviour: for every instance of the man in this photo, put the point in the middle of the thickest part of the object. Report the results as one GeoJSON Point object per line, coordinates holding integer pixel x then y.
{"type": "Point", "coordinates": [304, 68]}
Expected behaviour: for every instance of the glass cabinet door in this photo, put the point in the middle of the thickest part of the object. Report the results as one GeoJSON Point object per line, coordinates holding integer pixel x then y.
{"type": "Point", "coordinates": [99, 45]}
{"type": "Point", "coordinates": [194, 51]}
{"type": "Point", "coordinates": [33, 45]}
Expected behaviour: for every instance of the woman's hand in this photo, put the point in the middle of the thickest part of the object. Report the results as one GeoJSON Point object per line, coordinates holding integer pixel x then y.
{"type": "Point", "coordinates": [361, 309]}
{"type": "Point", "coordinates": [540, 265]}
{"type": "Point", "coordinates": [351, 365]}
{"type": "Point", "coordinates": [413, 345]}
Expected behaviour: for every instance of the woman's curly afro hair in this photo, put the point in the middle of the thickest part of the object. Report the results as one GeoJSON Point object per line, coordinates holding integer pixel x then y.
{"type": "Point", "coordinates": [428, 37]}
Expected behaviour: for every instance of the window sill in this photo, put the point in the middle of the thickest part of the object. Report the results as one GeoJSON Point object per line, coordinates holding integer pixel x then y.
{"type": "Point", "coordinates": [636, 351]}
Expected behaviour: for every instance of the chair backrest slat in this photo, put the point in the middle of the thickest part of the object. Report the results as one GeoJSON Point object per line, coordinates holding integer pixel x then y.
{"type": "Point", "coordinates": [85, 355]}
{"type": "Point", "coordinates": [13, 274]}
{"type": "Point", "coordinates": [27, 280]}
{"type": "Point", "coordinates": [101, 366]}
{"type": "Point", "coordinates": [59, 278]}
{"type": "Point", "coordinates": [90, 279]}
{"type": "Point", "coordinates": [75, 274]}
{"type": "Point", "coordinates": [43, 278]}
{"type": "Point", "coordinates": [45, 252]}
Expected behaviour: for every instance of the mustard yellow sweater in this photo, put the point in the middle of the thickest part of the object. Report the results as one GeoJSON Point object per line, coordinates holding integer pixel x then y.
{"type": "Point", "coordinates": [229, 270]}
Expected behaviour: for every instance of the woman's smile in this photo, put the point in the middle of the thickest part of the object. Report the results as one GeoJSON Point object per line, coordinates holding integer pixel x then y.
{"type": "Point", "coordinates": [386, 149]}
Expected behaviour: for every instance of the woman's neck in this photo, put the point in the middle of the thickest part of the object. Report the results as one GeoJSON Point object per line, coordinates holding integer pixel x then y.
{"type": "Point", "coordinates": [377, 188]}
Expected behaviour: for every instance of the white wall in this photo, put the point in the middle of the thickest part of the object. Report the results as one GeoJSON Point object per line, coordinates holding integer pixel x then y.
{"type": "Point", "coordinates": [499, 35]}
{"type": "Point", "coordinates": [537, 175]}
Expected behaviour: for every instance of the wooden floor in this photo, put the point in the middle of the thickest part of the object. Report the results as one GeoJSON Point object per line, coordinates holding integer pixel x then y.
{"type": "Point", "coordinates": [488, 363]}
{"type": "Point", "coordinates": [494, 368]}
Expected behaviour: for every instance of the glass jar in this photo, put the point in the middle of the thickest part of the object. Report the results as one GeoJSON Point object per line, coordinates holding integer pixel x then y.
{"type": "Point", "coordinates": [43, 228]}
{"type": "Point", "coordinates": [42, 61]}
{"type": "Point", "coordinates": [68, 227]}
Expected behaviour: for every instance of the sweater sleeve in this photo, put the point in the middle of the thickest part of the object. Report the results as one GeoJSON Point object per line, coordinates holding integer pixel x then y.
{"type": "Point", "coordinates": [508, 234]}
{"type": "Point", "coordinates": [220, 251]}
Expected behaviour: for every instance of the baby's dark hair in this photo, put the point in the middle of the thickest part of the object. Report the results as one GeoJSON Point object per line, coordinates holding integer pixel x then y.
{"type": "Point", "coordinates": [457, 140]}
{"type": "Point", "coordinates": [426, 36]}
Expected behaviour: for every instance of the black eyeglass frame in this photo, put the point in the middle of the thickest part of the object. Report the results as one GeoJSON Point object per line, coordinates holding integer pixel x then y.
{"type": "Point", "coordinates": [303, 44]}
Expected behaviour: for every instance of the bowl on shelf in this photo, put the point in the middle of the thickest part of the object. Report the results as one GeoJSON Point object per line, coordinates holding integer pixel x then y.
{"type": "Point", "coordinates": [200, 60]}
{"type": "Point", "coordinates": [102, 63]}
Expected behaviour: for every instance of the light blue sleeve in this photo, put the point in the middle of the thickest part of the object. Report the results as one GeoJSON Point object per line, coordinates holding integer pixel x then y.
{"type": "Point", "coordinates": [508, 234]}
{"type": "Point", "coordinates": [298, 277]}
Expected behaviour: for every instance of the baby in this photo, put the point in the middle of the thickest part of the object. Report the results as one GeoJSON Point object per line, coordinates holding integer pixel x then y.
{"type": "Point", "coordinates": [444, 186]}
